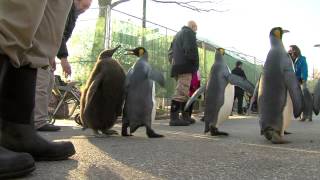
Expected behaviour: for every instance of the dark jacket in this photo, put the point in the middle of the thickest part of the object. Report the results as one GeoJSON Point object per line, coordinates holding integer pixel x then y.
{"type": "Point", "coordinates": [70, 24]}
{"type": "Point", "coordinates": [238, 71]}
{"type": "Point", "coordinates": [185, 52]}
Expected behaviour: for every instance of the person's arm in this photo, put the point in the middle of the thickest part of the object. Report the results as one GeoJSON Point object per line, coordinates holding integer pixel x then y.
{"type": "Point", "coordinates": [63, 56]}
{"type": "Point", "coordinates": [243, 74]}
{"type": "Point", "coordinates": [63, 50]}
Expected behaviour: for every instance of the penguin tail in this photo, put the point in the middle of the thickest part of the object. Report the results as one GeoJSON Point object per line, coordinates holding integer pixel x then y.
{"type": "Point", "coordinates": [206, 127]}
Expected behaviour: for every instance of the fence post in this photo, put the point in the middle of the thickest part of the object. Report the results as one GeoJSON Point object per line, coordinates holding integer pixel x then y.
{"type": "Point", "coordinates": [204, 59]}
{"type": "Point", "coordinates": [107, 28]}
{"type": "Point", "coordinates": [256, 69]}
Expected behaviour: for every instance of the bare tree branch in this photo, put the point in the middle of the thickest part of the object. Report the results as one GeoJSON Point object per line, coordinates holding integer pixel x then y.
{"type": "Point", "coordinates": [118, 2]}
{"type": "Point", "coordinates": [192, 5]}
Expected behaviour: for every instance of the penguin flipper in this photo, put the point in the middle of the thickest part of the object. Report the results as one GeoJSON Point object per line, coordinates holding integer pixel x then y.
{"type": "Point", "coordinates": [195, 95]}
{"type": "Point", "coordinates": [156, 76]}
{"type": "Point", "coordinates": [241, 82]}
{"type": "Point", "coordinates": [254, 96]}
{"type": "Point", "coordinates": [127, 80]}
{"type": "Point", "coordinates": [316, 98]}
{"type": "Point", "coordinates": [294, 89]}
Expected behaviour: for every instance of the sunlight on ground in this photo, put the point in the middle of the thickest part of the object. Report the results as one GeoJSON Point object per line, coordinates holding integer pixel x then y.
{"type": "Point", "coordinates": [95, 166]}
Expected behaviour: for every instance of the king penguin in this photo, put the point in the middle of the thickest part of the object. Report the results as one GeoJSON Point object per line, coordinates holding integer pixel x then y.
{"type": "Point", "coordinates": [219, 94]}
{"type": "Point", "coordinates": [279, 94]}
{"type": "Point", "coordinates": [316, 94]}
{"type": "Point", "coordinates": [307, 103]}
{"type": "Point", "coordinates": [316, 98]}
{"type": "Point", "coordinates": [102, 99]}
{"type": "Point", "coordinates": [139, 107]}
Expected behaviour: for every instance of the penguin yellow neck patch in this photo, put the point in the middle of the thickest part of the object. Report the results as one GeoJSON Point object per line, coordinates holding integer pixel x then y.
{"type": "Point", "coordinates": [141, 52]}
{"type": "Point", "coordinates": [277, 33]}
{"type": "Point", "coordinates": [221, 51]}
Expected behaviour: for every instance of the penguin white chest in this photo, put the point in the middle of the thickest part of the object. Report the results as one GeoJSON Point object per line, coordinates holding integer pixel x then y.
{"type": "Point", "coordinates": [226, 108]}
{"type": "Point", "coordinates": [287, 114]}
{"type": "Point", "coordinates": [154, 106]}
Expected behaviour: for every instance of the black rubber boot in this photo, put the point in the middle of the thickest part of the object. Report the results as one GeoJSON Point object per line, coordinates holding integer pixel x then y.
{"type": "Point", "coordinates": [24, 138]}
{"type": "Point", "coordinates": [174, 115]}
{"type": "Point", "coordinates": [186, 115]}
{"type": "Point", "coordinates": [14, 164]}
{"type": "Point", "coordinates": [17, 94]}
{"type": "Point", "coordinates": [190, 110]}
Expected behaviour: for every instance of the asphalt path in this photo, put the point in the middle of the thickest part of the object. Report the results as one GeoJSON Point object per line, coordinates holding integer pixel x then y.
{"type": "Point", "coordinates": [187, 153]}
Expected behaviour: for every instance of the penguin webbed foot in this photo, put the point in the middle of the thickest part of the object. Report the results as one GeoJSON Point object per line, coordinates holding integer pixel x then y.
{"type": "Point", "coordinates": [110, 132]}
{"type": "Point", "coordinates": [151, 134]}
{"type": "Point", "coordinates": [302, 119]}
{"type": "Point", "coordinates": [124, 131]}
{"type": "Point", "coordinates": [287, 132]}
{"type": "Point", "coordinates": [215, 132]}
{"type": "Point", "coordinates": [126, 134]}
{"type": "Point", "coordinates": [97, 134]}
{"type": "Point", "coordinates": [274, 137]}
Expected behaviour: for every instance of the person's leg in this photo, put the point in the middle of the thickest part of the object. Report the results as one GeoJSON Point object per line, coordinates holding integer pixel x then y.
{"type": "Point", "coordinates": [18, 89]}
{"type": "Point", "coordinates": [44, 85]}
{"type": "Point", "coordinates": [179, 100]}
{"type": "Point", "coordinates": [46, 44]}
{"type": "Point", "coordinates": [16, 110]}
{"type": "Point", "coordinates": [12, 164]}
{"type": "Point", "coordinates": [41, 99]}
{"type": "Point", "coordinates": [184, 96]}
{"type": "Point", "coordinates": [19, 21]}
{"type": "Point", "coordinates": [240, 101]}
{"type": "Point", "coordinates": [189, 111]}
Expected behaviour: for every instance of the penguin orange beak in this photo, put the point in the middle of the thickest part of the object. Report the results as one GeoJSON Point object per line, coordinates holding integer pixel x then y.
{"type": "Point", "coordinates": [317, 45]}
{"type": "Point", "coordinates": [285, 31]}
{"type": "Point", "coordinates": [129, 52]}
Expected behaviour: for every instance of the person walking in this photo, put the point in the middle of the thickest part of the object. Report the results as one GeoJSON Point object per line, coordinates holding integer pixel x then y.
{"type": "Point", "coordinates": [185, 61]}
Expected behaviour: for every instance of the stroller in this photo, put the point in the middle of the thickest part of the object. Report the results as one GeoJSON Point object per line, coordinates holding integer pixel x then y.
{"type": "Point", "coordinates": [64, 95]}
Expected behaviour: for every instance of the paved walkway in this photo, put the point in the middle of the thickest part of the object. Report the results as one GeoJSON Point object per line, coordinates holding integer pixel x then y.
{"type": "Point", "coordinates": [186, 153]}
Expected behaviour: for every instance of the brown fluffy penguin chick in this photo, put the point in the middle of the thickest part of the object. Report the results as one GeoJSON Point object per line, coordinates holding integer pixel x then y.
{"type": "Point", "coordinates": [102, 98]}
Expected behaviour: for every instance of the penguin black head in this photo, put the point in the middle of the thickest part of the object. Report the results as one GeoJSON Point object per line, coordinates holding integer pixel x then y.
{"type": "Point", "coordinates": [108, 53]}
{"type": "Point", "coordinates": [277, 32]}
{"type": "Point", "coordinates": [139, 51]}
{"type": "Point", "coordinates": [221, 51]}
